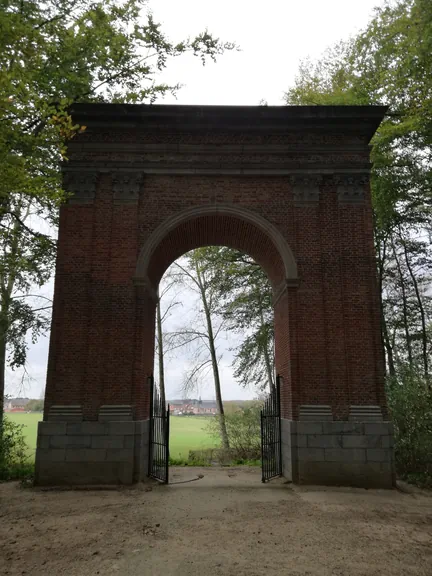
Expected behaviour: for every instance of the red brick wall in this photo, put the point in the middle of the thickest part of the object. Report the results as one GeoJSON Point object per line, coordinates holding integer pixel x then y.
{"type": "Point", "coordinates": [328, 347]}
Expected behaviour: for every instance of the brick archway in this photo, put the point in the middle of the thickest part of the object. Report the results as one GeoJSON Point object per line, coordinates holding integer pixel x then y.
{"type": "Point", "coordinates": [217, 225]}
{"type": "Point", "coordinates": [238, 228]}
{"type": "Point", "coordinates": [289, 186]}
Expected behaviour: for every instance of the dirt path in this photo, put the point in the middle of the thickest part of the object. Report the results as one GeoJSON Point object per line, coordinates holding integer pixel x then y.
{"type": "Point", "coordinates": [224, 523]}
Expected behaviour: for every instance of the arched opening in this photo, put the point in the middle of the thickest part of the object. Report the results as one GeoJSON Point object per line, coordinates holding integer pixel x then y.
{"type": "Point", "coordinates": [217, 225]}
{"type": "Point", "coordinates": [214, 362]}
{"type": "Point", "coordinates": [235, 228]}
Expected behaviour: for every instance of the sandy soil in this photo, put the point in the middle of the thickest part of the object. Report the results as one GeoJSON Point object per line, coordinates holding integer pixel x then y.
{"type": "Point", "coordinates": [224, 523]}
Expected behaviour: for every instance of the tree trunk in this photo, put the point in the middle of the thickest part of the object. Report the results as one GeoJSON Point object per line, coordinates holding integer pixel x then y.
{"type": "Point", "coordinates": [421, 309]}
{"type": "Point", "coordinates": [5, 294]}
{"type": "Point", "coordinates": [2, 389]}
{"type": "Point", "coordinates": [384, 331]}
{"type": "Point", "coordinates": [268, 363]}
{"type": "Point", "coordinates": [7, 284]}
{"type": "Point", "coordinates": [213, 355]}
{"type": "Point", "coordinates": [2, 376]}
{"type": "Point", "coordinates": [388, 347]}
{"type": "Point", "coordinates": [268, 367]}
{"type": "Point", "coordinates": [160, 353]}
{"type": "Point", "coordinates": [3, 345]}
{"type": "Point", "coordinates": [404, 306]}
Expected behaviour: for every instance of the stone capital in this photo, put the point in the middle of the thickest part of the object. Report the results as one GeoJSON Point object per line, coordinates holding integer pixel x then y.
{"type": "Point", "coordinates": [283, 287]}
{"type": "Point", "coordinates": [80, 185]}
{"type": "Point", "coordinates": [145, 287]}
{"type": "Point", "coordinates": [351, 188]}
{"type": "Point", "coordinates": [126, 186]}
{"type": "Point", "coordinates": [305, 188]}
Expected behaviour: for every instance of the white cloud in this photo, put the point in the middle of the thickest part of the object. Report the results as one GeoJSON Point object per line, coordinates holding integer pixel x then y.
{"type": "Point", "coordinates": [274, 36]}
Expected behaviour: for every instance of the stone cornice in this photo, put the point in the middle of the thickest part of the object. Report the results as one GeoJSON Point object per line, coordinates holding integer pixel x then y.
{"type": "Point", "coordinates": [363, 120]}
{"type": "Point", "coordinates": [224, 140]}
{"type": "Point", "coordinates": [220, 162]}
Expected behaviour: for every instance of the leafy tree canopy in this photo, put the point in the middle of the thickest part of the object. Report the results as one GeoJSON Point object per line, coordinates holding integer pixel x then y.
{"type": "Point", "coordinates": [389, 63]}
{"type": "Point", "coordinates": [55, 53]}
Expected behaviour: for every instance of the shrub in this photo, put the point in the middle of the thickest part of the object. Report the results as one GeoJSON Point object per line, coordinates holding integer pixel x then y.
{"type": "Point", "coordinates": [35, 405]}
{"type": "Point", "coordinates": [193, 459]}
{"type": "Point", "coordinates": [244, 432]}
{"type": "Point", "coordinates": [14, 461]}
{"type": "Point", "coordinates": [410, 403]}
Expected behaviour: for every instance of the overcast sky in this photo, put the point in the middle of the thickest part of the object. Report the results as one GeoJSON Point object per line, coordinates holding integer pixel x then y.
{"type": "Point", "coordinates": [273, 36]}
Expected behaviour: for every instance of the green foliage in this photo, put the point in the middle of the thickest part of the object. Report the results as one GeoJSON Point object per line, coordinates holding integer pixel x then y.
{"type": "Point", "coordinates": [178, 461]}
{"type": "Point", "coordinates": [14, 462]}
{"type": "Point", "coordinates": [244, 433]}
{"type": "Point", "coordinates": [410, 404]}
{"type": "Point", "coordinates": [389, 63]}
{"type": "Point", "coordinates": [193, 459]}
{"type": "Point", "coordinates": [35, 405]}
{"type": "Point", "coordinates": [53, 54]}
{"type": "Point", "coordinates": [231, 406]}
{"type": "Point", "coordinates": [75, 51]}
{"type": "Point", "coordinates": [244, 296]}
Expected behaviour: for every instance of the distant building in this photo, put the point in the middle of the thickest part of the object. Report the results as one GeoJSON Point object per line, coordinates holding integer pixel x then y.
{"type": "Point", "coordinates": [192, 406]}
{"type": "Point", "coordinates": [15, 404]}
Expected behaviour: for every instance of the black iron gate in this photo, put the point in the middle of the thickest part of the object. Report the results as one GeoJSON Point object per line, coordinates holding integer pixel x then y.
{"type": "Point", "coordinates": [159, 435]}
{"type": "Point", "coordinates": [271, 450]}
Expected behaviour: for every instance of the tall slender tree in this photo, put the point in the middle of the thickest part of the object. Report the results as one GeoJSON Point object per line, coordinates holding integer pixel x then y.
{"type": "Point", "coordinates": [164, 307]}
{"type": "Point", "coordinates": [244, 296]}
{"type": "Point", "coordinates": [201, 333]}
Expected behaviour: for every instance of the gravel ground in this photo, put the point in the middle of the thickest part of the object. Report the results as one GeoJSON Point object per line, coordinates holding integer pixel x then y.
{"type": "Point", "coordinates": [224, 523]}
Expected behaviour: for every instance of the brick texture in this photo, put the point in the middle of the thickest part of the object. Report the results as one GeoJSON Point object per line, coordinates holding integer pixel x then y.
{"type": "Point", "coordinates": [328, 347]}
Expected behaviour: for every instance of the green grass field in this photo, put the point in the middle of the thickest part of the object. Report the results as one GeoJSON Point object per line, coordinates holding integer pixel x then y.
{"type": "Point", "coordinates": [186, 433]}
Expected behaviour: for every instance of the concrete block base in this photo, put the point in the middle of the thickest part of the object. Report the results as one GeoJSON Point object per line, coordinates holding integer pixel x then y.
{"type": "Point", "coordinates": [109, 452]}
{"type": "Point", "coordinates": [338, 453]}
